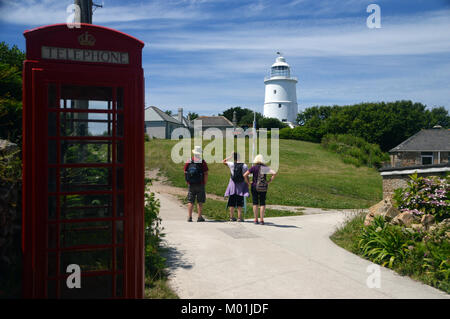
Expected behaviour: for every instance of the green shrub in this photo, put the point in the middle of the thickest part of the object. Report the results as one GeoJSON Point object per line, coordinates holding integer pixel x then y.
{"type": "Point", "coordinates": [286, 133]}
{"type": "Point", "coordinates": [384, 243]}
{"type": "Point", "coordinates": [154, 262]}
{"type": "Point", "coordinates": [354, 150]}
{"type": "Point", "coordinates": [425, 196]}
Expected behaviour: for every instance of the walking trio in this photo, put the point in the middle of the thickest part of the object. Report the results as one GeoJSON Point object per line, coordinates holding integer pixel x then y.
{"type": "Point", "coordinates": [196, 175]}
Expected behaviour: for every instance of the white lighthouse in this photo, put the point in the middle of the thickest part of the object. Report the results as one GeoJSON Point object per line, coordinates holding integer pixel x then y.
{"type": "Point", "coordinates": [281, 97]}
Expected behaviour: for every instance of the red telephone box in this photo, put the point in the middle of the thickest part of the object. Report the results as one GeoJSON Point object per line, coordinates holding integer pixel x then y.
{"type": "Point", "coordinates": [83, 163]}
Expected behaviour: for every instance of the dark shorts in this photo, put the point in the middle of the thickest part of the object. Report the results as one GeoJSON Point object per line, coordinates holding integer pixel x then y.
{"type": "Point", "coordinates": [235, 201]}
{"type": "Point", "coordinates": [258, 198]}
{"type": "Point", "coordinates": [196, 191]}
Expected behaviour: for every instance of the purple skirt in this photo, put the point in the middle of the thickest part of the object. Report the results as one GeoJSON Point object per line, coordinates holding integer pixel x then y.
{"type": "Point", "coordinates": [240, 189]}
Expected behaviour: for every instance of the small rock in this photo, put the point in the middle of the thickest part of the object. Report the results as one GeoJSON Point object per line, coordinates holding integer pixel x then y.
{"type": "Point", "coordinates": [368, 220]}
{"type": "Point", "coordinates": [427, 220]}
{"type": "Point", "coordinates": [417, 227]}
{"type": "Point", "coordinates": [384, 208]}
{"type": "Point", "coordinates": [404, 219]}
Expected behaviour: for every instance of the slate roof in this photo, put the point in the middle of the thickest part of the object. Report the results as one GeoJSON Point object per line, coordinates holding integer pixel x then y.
{"type": "Point", "coordinates": [215, 121]}
{"type": "Point", "coordinates": [164, 116]}
{"type": "Point", "coordinates": [431, 140]}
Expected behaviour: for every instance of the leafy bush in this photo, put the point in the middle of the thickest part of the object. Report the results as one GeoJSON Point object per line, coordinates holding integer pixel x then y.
{"type": "Point", "coordinates": [354, 150]}
{"type": "Point", "coordinates": [384, 243]}
{"type": "Point", "coordinates": [425, 196]}
{"type": "Point", "coordinates": [154, 262]}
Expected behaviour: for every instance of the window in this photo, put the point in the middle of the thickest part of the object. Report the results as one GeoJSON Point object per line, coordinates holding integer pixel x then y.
{"type": "Point", "coordinates": [427, 158]}
{"type": "Point", "coordinates": [274, 91]}
{"type": "Point", "coordinates": [279, 105]}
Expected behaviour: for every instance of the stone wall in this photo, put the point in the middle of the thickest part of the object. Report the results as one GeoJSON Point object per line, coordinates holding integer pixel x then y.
{"type": "Point", "coordinates": [404, 159]}
{"type": "Point", "coordinates": [392, 182]}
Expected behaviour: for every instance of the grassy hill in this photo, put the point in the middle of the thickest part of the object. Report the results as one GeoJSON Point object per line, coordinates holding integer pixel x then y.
{"type": "Point", "coordinates": [308, 176]}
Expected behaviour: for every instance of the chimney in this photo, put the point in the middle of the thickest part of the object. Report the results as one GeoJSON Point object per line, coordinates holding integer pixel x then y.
{"type": "Point", "coordinates": [234, 119]}
{"type": "Point", "coordinates": [180, 114]}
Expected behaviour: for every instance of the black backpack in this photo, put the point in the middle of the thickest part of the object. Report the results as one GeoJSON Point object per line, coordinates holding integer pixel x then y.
{"type": "Point", "coordinates": [261, 181]}
{"type": "Point", "coordinates": [237, 176]}
{"type": "Point", "coordinates": [194, 173]}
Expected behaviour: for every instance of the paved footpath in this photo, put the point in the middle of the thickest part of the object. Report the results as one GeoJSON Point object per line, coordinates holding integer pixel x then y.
{"type": "Point", "coordinates": [288, 257]}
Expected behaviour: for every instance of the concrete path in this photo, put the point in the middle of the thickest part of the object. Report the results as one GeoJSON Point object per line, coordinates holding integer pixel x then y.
{"type": "Point", "coordinates": [289, 257]}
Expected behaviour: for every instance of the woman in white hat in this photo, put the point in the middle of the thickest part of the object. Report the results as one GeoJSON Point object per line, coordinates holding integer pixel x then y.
{"type": "Point", "coordinates": [259, 185]}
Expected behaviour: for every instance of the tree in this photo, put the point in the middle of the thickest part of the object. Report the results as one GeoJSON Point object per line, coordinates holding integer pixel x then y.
{"type": "Point", "coordinates": [439, 116]}
{"type": "Point", "coordinates": [11, 62]}
{"type": "Point", "coordinates": [247, 120]}
{"type": "Point", "coordinates": [12, 56]}
{"type": "Point", "coordinates": [386, 124]}
{"type": "Point", "coordinates": [270, 122]}
{"type": "Point", "coordinates": [168, 112]}
{"type": "Point", "coordinates": [240, 113]}
{"type": "Point", "coordinates": [192, 115]}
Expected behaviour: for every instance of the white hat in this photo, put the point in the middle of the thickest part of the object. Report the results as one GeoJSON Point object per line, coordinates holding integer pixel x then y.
{"type": "Point", "coordinates": [197, 150]}
{"type": "Point", "coordinates": [259, 159]}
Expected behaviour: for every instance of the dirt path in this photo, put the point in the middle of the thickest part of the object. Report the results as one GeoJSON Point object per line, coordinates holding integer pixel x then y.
{"type": "Point", "coordinates": [161, 185]}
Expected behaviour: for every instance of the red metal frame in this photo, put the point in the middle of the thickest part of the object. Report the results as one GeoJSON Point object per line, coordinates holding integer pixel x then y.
{"type": "Point", "coordinates": [38, 74]}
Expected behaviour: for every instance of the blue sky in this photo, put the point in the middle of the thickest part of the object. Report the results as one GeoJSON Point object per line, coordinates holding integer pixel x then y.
{"type": "Point", "coordinates": [209, 55]}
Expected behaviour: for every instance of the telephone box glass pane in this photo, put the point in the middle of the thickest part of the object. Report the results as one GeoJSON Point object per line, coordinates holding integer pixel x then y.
{"type": "Point", "coordinates": [119, 205]}
{"type": "Point", "coordinates": [91, 287]}
{"type": "Point", "coordinates": [119, 258]}
{"type": "Point", "coordinates": [51, 289]}
{"type": "Point", "coordinates": [52, 95]}
{"type": "Point", "coordinates": [119, 177]}
{"type": "Point", "coordinates": [51, 124]}
{"type": "Point", "coordinates": [119, 152]}
{"type": "Point", "coordinates": [85, 179]}
{"type": "Point", "coordinates": [52, 258]}
{"type": "Point", "coordinates": [52, 235]}
{"type": "Point", "coordinates": [120, 98]}
{"type": "Point", "coordinates": [88, 260]}
{"type": "Point", "coordinates": [52, 151]}
{"type": "Point", "coordinates": [119, 232]}
{"type": "Point", "coordinates": [86, 124]}
{"type": "Point", "coordinates": [52, 179]}
{"type": "Point", "coordinates": [76, 152]}
{"type": "Point", "coordinates": [86, 233]}
{"type": "Point", "coordinates": [51, 207]}
{"type": "Point", "coordinates": [119, 125]}
{"type": "Point", "coordinates": [86, 97]}
{"type": "Point", "coordinates": [86, 206]}
{"type": "Point", "coordinates": [119, 285]}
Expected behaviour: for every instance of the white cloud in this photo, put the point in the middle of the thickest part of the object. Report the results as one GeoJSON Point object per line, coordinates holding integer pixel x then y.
{"type": "Point", "coordinates": [33, 12]}
{"type": "Point", "coordinates": [415, 35]}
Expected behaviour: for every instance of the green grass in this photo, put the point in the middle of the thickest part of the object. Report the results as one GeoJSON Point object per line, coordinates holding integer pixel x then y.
{"type": "Point", "coordinates": [159, 289]}
{"type": "Point", "coordinates": [348, 234]}
{"type": "Point", "coordinates": [308, 176]}
{"type": "Point", "coordinates": [217, 210]}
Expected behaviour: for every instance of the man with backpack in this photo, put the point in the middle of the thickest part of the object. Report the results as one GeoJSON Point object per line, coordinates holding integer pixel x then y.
{"type": "Point", "coordinates": [237, 187]}
{"type": "Point", "coordinates": [196, 175]}
{"type": "Point", "coordinates": [259, 186]}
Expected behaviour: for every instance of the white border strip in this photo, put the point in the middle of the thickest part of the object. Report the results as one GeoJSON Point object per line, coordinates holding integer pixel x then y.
{"type": "Point", "coordinates": [418, 170]}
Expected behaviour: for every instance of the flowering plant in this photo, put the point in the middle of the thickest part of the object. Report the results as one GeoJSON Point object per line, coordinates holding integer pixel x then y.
{"type": "Point", "coordinates": [425, 195]}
